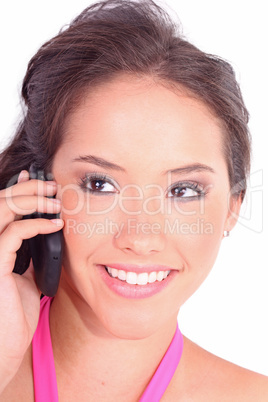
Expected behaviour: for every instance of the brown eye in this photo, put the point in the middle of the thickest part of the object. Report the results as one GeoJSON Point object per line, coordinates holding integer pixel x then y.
{"type": "Point", "coordinates": [178, 191]}
{"type": "Point", "coordinates": [97, 184]}
{"type": "Point", "coordinates": [186, 191]}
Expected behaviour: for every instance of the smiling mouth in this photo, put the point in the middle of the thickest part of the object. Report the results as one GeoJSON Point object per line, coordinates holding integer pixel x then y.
{"type": "Point", "coordinates": [134, 278]}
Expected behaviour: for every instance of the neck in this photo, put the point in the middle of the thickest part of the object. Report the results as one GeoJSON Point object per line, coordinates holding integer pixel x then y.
{"type": "Point", "coordinates": [108, 363]}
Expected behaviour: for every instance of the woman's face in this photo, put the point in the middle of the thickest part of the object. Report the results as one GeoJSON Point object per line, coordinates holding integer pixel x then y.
{"type": "Point", "coordinates": [145, 189]}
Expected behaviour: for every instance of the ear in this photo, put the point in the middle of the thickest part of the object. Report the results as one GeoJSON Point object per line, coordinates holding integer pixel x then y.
{"type": "Point", "coordinates": [234, 206]}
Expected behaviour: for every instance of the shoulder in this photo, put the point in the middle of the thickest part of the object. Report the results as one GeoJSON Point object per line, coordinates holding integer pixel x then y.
{"type": "Point", "coordinates": [202, 376]}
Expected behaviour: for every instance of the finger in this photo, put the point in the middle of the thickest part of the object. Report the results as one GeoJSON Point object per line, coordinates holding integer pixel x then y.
{"type": "Point", "coordinates": [23, 176]}
{"type": "Point", "coordinates": [31, 187]}
{"type": "Point", "coordinates": [14, 208]}
{"type": "Point", "coordinates": [11, 239]}
{"type": "Point", "coordinates": [28, 204]}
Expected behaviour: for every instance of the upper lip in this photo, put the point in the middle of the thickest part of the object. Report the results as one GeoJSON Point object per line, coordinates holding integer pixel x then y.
{"type": "Point", "coordinates": [140, 268]}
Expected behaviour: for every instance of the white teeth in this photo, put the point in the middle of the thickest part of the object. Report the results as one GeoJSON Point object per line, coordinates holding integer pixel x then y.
{"type": "Point", "coordinates": [160, 276]}
{"type": "Point", "coordinates": [137, 279]}
{"type": "Point", "coordinates": [142, 279]}
{"type": "Point", "coordinates": [114, 273]}
{"type": "Point", "coordinates": [122, 275]}
{"type": "Point", "coordinates": [132, 278]}
{"type": "Point", "coordinates": [152, 277]}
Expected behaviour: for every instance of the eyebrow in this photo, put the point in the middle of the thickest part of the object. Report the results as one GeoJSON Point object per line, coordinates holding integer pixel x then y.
{"type": "Point", "coordinates": [98, 161]}
{"type": "Point", "coordinates": [195, 167]}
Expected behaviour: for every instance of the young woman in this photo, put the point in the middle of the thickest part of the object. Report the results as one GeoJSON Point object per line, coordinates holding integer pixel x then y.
{"type": "Point", "coordinates": [145, 138]}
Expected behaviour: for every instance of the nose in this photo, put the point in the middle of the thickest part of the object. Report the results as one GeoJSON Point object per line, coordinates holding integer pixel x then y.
{"type": "Point", "coordinates": [138, 236]}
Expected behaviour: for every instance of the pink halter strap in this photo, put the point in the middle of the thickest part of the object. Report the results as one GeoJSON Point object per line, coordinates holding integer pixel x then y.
{"type": "Point", "coordinates": [45, 382]}
{"type": "Point", "coordinates": [165, 371]}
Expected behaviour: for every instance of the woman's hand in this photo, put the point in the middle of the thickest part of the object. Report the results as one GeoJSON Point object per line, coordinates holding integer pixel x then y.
{"type": "Point", "coordinates": [19, 295]}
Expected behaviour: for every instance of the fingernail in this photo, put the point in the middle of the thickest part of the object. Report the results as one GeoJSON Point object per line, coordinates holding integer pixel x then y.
{"type": "Point", "coordinates": [51, 183]}
{"type": "Point", "coordinates": [57, 222]}
{"type": "Point", "coordinates": [24, 174]}
{"type": "Point", "coordinates": [56, 200]}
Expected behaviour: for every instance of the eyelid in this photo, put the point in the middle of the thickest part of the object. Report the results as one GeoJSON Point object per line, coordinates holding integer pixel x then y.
{"type": "Point", "coordinates": [200, 189]}
{"type": "Point", "coordinates": [193, 185]}
{"type": "Point", "coordinates": [98, 176]}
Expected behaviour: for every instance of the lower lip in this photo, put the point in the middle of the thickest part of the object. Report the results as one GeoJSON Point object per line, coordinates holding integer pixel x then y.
{"type": "Point", "coordinates": [128, 291]}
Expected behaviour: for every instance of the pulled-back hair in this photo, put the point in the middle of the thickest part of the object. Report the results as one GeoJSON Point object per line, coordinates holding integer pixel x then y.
{"type": "Point", "coordinates": [107, 39]}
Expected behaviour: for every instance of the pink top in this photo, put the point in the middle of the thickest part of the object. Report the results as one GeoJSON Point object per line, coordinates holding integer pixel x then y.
{"type": "Point", "coordinates": [45, 382]}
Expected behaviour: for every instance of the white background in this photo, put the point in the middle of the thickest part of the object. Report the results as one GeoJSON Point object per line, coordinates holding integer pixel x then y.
{"type": "Point", "coordinates": [228, 314]}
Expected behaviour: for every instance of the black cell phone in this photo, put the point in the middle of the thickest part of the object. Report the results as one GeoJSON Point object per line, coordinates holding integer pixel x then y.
{"type": "Point", "coordinates": [45, 249]}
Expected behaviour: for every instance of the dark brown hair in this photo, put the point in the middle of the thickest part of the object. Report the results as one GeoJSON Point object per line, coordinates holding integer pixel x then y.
{"type": "Point", "coordinates": [106, 39]}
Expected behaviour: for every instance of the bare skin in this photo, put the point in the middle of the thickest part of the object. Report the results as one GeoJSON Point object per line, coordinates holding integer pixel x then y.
{"type": "Point", "coordinates": [200, 377]}
{"type": "Point", "coordinates": [99, 337]}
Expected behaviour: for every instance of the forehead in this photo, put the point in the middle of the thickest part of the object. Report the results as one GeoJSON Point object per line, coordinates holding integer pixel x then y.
{"type": "Point", "coordinates": [144, 119]}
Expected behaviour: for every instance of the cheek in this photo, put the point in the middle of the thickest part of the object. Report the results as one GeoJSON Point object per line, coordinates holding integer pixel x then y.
{"type": "Point", "coordinates": [88, 225]}
{"type": "Point", "coordinates": [200, 252]}
{"type": "Point", "coordinates": [198, 238]}
{"type": "Point", "coordinates": [196, 252]}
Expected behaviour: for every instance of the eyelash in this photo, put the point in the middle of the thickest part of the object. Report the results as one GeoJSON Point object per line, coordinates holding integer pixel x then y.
{"type": "Point", "coordinates": [98, 177]}
{"type": "Point", "coordinates": [196, 187]}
